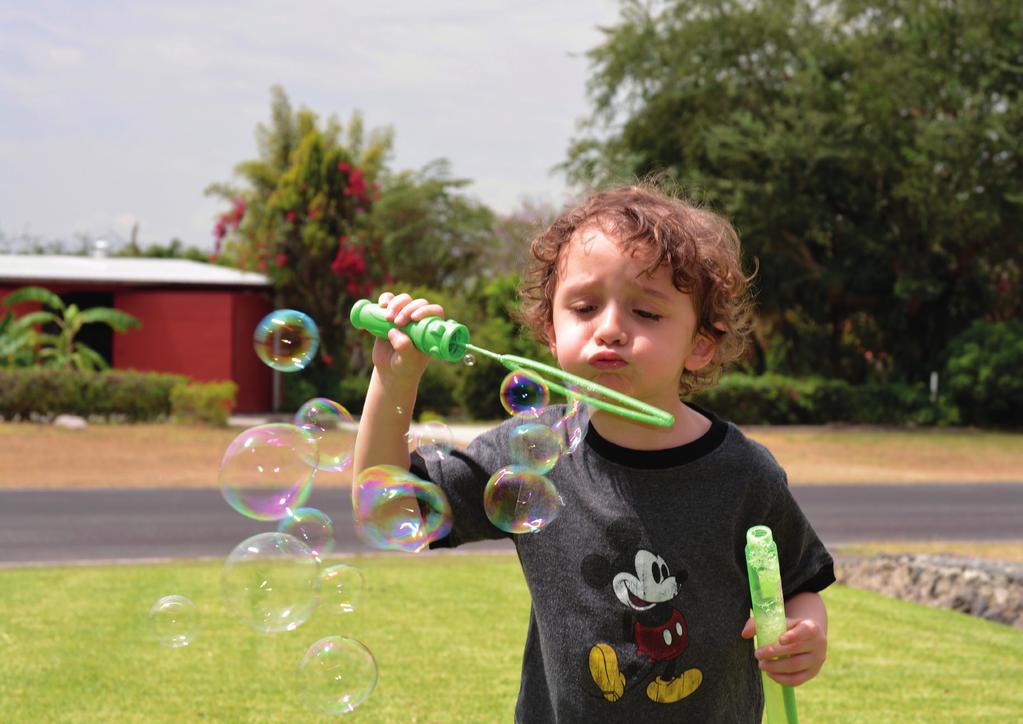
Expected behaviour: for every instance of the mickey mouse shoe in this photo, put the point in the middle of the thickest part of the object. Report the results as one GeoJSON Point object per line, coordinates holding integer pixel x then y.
{"type": "Point", "coordinates": [668, 692]}
{"type": "Point", "coordinates": [604, 670]}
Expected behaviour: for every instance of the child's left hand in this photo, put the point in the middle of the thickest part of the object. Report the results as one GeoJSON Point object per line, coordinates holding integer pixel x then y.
{"type": "Point", "coordinates": [804, 647]}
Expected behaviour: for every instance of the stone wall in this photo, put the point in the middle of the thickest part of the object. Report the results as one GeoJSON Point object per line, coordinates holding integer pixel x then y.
{"type": "Point", "coordinates": [989, 589]}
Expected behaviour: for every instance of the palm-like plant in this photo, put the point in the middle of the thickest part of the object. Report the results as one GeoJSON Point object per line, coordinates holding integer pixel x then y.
{"type": "Point", "coordinates": [60, 349]}
{"type": "Point", "coordinates": [17, 342]}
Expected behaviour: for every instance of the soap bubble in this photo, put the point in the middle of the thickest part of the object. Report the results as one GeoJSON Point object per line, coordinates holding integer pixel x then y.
{"type": "Point", "coordinates": [336, 675]}
{"type": "Point", "coordinates": [267, 471]}
{"type": "Point", "coordinates": [311, 526]}
{"type": "Point", "coordinates": [519, 500]}
{"type": "Point", "coordinates": [330, 424]}
{"type": "Point", "coordinates": [174, 621]}
{"type": "Point", "coordinates": [469, 360]}
{"type": "Point", "coordinates": [270, 582]}
{"type": "Point", "coordinates": [524, 392]}
{"type": "Point", "coordinates": [286, 340]}
{"type": "Point", "coordinates": [395, 510]}
{"type": "Point", "coordinates": [573, 425]}
{"type": "Point", "coordinates": [340, 588]}
{"type": "Point", "coordinates": [535, 446]}
{"type": "Point", "coordinates": [434, 441]}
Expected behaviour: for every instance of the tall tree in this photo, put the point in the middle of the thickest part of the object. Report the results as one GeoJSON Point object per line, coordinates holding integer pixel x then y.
{"type": "Point", "coordinates": [299, 217]}
{"type": "Point", "coordinates": [866, 150]}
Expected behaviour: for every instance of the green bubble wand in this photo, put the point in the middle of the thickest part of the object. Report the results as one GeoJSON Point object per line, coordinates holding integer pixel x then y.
{"type": "Point", "coordinates": [769, 613]}
{"type": "Point", "coordinates": [449, 340]}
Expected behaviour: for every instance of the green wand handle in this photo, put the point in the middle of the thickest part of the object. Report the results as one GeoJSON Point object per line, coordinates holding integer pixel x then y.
{"type": "Point", "coordinates": [448, 340]}
{"type": "Point", "coordinates": [769, 614]}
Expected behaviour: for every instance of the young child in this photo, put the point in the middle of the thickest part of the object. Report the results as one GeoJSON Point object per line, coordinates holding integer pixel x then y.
{"type": "Point", "coordinates": [640, 600]}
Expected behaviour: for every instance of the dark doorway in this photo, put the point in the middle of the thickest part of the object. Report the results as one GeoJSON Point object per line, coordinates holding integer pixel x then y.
{"type": "Point", "coordinates": [97, 336]}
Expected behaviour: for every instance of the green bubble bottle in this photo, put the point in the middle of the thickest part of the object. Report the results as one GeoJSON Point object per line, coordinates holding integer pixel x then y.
{"type": "Point", "coordinates": [769, 614]}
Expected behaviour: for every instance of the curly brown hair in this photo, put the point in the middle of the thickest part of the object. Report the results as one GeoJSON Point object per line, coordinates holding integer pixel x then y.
{"type": "Point", "coordinates": [702, 248]}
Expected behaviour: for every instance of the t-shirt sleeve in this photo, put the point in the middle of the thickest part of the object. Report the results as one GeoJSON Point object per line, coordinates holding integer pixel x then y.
{"type": "Point", "coordinates": [806, 565]}
{"type": "Point", "coordinates": [463, 476]}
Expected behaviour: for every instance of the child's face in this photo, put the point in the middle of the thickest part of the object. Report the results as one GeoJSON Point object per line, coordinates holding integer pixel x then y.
{"type": "Point", "coordinates": [617, 326]}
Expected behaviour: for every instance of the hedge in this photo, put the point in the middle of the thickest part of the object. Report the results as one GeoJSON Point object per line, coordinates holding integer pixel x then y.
{"type": "Point", "coordinates": [28, 392]}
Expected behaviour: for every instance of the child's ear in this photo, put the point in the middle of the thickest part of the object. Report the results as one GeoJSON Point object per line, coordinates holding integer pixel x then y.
{"type": "Point", "coordinates": [702, 353]}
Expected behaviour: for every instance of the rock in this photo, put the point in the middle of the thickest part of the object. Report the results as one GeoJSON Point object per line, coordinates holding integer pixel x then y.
{"type": "Point", "coordinates": [992, 590]}
{"type": "Point", "coordinates": [71, 422]}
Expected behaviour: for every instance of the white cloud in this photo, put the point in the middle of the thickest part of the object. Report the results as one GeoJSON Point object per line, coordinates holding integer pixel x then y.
{"type": "Point", "coordinates": [112, 105]}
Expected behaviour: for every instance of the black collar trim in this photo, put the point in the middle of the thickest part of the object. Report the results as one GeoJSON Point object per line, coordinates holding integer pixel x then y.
{"type": "Point", "coordinates": [661, 459]}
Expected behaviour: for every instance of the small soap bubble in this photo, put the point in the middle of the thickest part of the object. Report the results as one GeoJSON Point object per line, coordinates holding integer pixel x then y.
{"type": "Point", "coordinates": [518, 500]}
{"type": "Point", "coordinates": [336, 675]}
{"type": "Point", "coordinates": [469, 360]}
{"type": "Point", "coordinates": [524, 392]}
{"type": "Point", "coordinates": [286, 340]}
{"type": "Point", "coordinates": [174, 621]}
{"type": "Point", "coordinates": [270, 582]}
{"type": "Point", "coordinates": [341, 588]}
{"type": "Point", "coordinates": [331, 425]}
{"type": "Point", "coordinates": [395, 510]}
{"type": "Point", "coordinates": [311, 526]}
{"type": "Point", "coordinates": [572, 427]}
{"type": "Point", "coordinates": [434, 441]}
{"type": "Point", "coordinates": [535, 446]}
{"type": "Point", "coordinates": [267, 471]}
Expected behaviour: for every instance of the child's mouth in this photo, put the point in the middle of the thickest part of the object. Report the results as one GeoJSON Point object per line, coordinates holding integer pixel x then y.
{"type": "Point", "coordinates": [608, 364]}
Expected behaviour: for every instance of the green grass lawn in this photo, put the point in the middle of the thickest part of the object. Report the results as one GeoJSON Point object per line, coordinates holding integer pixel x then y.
{"type": "Point", "coordinates": [75, 647]}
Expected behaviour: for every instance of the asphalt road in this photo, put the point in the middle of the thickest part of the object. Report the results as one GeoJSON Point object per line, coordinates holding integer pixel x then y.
{"type": "Point", "coordinates": [43, 526]}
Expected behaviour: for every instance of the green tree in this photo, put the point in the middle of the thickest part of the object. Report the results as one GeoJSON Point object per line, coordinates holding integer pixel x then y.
{"type": "Point", "coordinates": [60, 348]}
{"type": "Point", "coordinates": [431, 233]}
{"type": "Point", "coordinates": [866, 151]}
{"type": "Point", "coordinates": [299, 217]}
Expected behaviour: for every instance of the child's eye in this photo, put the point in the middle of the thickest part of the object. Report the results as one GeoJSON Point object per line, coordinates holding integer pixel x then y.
{"type": "Point", "coordinates": [648, 315]}
{"type": "Point", "coordinates": [583, 308]}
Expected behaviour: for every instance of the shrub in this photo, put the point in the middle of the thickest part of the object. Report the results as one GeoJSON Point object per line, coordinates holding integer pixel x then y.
{"type": "Point", "coordinates": [134, 396]}
{"type": "Point", "coordinates": [207, 403]}
{"type": "Point", "coordinates": [983, 373]}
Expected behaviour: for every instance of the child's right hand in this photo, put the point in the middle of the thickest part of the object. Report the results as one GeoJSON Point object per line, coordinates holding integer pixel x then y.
{"type": "Point", "coordinates": [396, 357]}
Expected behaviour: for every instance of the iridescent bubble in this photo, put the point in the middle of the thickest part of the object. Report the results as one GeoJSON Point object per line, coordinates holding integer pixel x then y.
{"type": "Point", "coordinates": [311, 526]}
{"type": "Point", "coordinates": [331, 425]}
{"type": "Point", "coordinates": [174, 621]}
{"type": "Point", "coordinates": [286, 340]}
{"type": "Point", "coordinates": [573, 426]}
{"type": "Point", "coordinates": [340, 588]}
{"type": "Point", "coordinates": [434, 441]}
{"type": "Point", "coordinates": [395, 510]}
{"type": "Point", "coordinates": [524, 392]}
{"type": "Point", "coordinates": [336, 675]}
{"type": "Point", "coordinates": [270, 582]}
{"type": "Point", "coordinates": [519, 500]}
{"type": "Point", "coordinates": [267, 471]}
{"type": "Point", "coordinates": [469, 360]}
{"type": "Point", "coordinates": [535, 446]}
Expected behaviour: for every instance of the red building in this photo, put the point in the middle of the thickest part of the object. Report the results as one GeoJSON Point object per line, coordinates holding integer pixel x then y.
{"type": "Point", "coordinates": [197, 319]}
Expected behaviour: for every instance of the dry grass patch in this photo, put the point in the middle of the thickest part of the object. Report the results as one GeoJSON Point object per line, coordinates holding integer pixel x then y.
{"type": "Point", "coordinates": [859, 455]}
{"type": "Point", "coordinates": [154, 455]}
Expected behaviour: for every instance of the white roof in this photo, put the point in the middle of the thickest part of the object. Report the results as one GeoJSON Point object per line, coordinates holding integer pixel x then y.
{"type": "Point", "coordinates": [28, 268]}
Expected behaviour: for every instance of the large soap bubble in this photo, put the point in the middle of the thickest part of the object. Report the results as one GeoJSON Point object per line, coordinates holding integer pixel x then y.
{"type": "Point", "coordinates": [331, 425]}
{"type": "Point", "coordinates": [174, 621]}
{"type": "Point", "coordinates": [519, 500]}
{"type": "Point", "coordinates": [286, 340]}
{"type": "Point", "coordinates": [523, 391]}
{"type": "Point", "coordinates": [311, 526]}
{"type": "Point", "coordinates": [336, 675]}
{"type": "Point", "coordinates": [535, 446]}
{"type": "Point", "coordinates": [396, 510]}
{"type": "Point", "coordinates": [270, 582]}
{"type": "Point", "coordinates": [267, 471]}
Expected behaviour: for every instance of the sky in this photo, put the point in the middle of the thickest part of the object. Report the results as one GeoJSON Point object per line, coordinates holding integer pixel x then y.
{"type": "Point", "coordinates": [115, 113]}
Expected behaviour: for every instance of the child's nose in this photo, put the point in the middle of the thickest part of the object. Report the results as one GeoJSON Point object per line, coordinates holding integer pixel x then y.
{"type": "Point", "coordinates": [610, 329]}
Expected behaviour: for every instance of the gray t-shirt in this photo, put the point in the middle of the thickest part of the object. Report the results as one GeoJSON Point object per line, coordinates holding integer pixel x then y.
{"type": "Point", "coordinates": [639, 587]}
